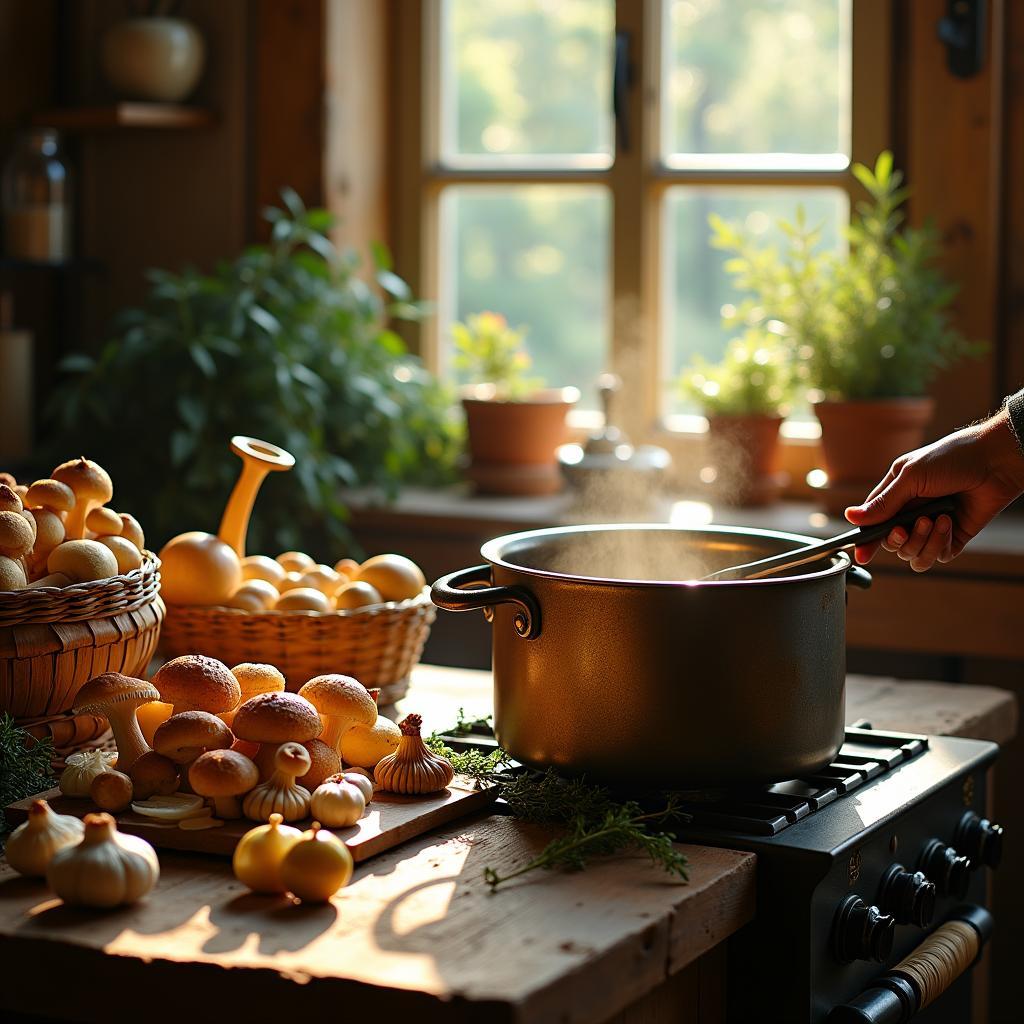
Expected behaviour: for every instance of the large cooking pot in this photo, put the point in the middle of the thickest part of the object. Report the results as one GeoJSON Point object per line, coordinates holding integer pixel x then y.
{"type": "Point", "coordinates": [605, 663]}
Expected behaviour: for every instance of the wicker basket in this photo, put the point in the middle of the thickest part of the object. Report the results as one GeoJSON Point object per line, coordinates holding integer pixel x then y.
{"type": "Point", "coordinates": [378, 646]}
{"type": "Point", "coordinates": [53, 640]}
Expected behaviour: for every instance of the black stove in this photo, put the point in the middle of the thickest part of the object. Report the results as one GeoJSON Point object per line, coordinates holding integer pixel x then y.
{"type": "Point", "coordinates": [858, 865]}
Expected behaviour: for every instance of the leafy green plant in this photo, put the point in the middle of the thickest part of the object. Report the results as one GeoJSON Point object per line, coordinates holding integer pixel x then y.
{"type": "Point", "coordinates": [753, 378]}
{"type": "Point", "coordinates": [489, 352]}
{"type": "Point", "coordinates": [287, 343]}
{"type": "Point", "coordinates": [872, 322]}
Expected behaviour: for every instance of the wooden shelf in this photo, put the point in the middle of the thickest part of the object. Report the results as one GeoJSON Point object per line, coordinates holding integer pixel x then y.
{"type": "Point", "coordinates": [123, 116]}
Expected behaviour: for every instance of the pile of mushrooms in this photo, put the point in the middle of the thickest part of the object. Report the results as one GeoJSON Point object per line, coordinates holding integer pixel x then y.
{"type": "Point", "coordinates": [202, 743]}
{"type": "Point", "coordinates": [59, 531]}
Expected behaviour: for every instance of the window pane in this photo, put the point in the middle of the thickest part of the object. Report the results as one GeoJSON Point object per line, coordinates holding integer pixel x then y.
{"type": "Point", "coordinates": [746, 77]}
{"type": "Point", "coordinates": [539, 255]}
{"type": "Point", "coordinates": [526, 82]}
{"type": "Point", "coordinates": [696, 285]}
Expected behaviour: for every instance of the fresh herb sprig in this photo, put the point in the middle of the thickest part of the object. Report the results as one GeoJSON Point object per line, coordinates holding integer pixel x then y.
{"type": "Point", "coordinates": [597, 824]}
{"type": "Point", "coordinates": [24, 763]}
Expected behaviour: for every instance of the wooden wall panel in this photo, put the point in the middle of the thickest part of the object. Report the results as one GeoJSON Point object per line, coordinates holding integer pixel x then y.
{"type": "Point", "coordinates": [953, 148]}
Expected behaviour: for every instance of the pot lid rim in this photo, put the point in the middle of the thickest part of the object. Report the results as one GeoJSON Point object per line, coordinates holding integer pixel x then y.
{"type": "Point", "coordinates": [491, 551]}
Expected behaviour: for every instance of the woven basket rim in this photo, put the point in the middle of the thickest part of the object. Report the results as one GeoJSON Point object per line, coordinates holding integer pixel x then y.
{"type": "Point", "coordinates": [45, 595]}
{"type": "Point", "coordinates": [410, 603]}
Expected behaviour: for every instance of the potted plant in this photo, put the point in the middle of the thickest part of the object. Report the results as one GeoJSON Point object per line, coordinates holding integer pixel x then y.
{"type": "Point", "coordinates": [744, 398]}
{"type": "Point", "coordinates": [514, 424]}
{"type": "Point", "coordinates": [870, 327]}
{"type": "Point", "coordinates": [288, 342]}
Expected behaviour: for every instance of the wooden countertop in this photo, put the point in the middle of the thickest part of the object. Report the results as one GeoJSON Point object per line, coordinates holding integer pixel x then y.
{"type": "Point", "coordinates": [418, 930]}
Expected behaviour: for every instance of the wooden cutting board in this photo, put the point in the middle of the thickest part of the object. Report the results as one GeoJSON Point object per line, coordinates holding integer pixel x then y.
{"type": "Point", "coordinates": [389, 820]}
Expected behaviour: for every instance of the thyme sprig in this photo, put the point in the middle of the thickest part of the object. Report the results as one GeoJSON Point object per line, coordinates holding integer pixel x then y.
{"type": "Point", "coordinates": [24, 764]}
{"type": "Point", "coordinates": [597, 824]}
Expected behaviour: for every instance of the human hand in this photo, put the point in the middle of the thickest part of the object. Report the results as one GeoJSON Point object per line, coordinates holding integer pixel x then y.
{"type": "Point", "coordinates": [979, 466]}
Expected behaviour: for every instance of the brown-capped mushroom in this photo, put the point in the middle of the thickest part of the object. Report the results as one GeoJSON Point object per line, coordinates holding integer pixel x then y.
{"type": "Point", "coordinates": [116, 696]}
{"type": "Point", "coordinates": [271, 719]}
{"type": "Point", "coordinates": [9, 479]}
{"type": "Point", "coordinates": [341, 702]}
{"type": "Point", "coordinates": [49, 533]}
{"type": "Point", "coordinates": [224, 775]}
{"type": "Point", "coordinates": [131, 530]}
{"type": "Point", "coordinates": [153, 775]}
{"type": "Point", "coordinates": [82, 561]}
{"type": "Point", "coordinates": [127, 554]}
{"type": "Point", "coordinates": [184, 737]}
{"type": "Point", "coordinates": [16, 535]}
{"type": "Point", "coordinates": [195, 682]}
{"type": "Point", "coordinates": [323, 762]}
{"type": "Point", "coordinates": [9, 500]}
{"type": "Point", "coordinates": [12, 574]}
{"type": "Point", "coordinates": [54, 579]}
{"type": "Point", "coordinates": [253, 678]}
{"type": "Point", "coordinates": [51, 494]}
{"type": "Point", "coordinates": [92, 487]}
{"type": "Point", "coordinates": [104, 522]}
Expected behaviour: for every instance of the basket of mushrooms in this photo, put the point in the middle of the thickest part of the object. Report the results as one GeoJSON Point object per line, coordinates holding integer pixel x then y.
{"type": "Point", "coordinates": [369, 620]}
{"type": "Point", "coordinates": [79, 592]}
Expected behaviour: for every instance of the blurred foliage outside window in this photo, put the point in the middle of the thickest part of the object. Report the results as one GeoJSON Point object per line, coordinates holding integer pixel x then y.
{"type": "Point", "coordinates": [526, 84]}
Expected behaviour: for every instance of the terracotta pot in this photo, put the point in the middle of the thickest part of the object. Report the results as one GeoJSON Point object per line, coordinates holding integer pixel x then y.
{"type": "Point", "coordinates": [157, 59]}
{"type": "Point", "coordinates": [744, 455]}
{"type": "Point", "coordinates": [512, 444]}
{"type": "Point", "coordinates": [860, 440]}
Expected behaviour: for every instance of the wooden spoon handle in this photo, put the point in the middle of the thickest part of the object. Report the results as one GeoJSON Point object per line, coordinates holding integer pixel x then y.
{"type": "Point", "coordinates": [258, 459]}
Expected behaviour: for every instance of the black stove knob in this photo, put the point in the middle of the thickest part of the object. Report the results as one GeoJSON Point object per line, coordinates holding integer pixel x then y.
{"type": "Point", "coordinates": [861, 932]}
{"type": "Point", "coordinates": [980, 839]}
{"type": "Point", "coordinates": [908, 896]}
{"type": "Point", "coordinates": [950, 871]}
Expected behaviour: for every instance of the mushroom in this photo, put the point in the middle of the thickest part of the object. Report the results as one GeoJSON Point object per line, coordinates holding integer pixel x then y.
{"type": "Point", "coordinates": [253, 596]}
{"type": "Point", "coordinates": [184, 737]}
{"type": "Point", "coordinates": [131, 530]}
{"type": "Point", "coordinates": [262, 567]}
{"type": "Point", "coordinates": [324, 762]}
{"type": "Point", "coordinates": [92, 487]}
{"type": "Point", "coordinates": [153, 775]}
{"type": "Point", "coordinates": [12, 574]}
{"type": "Point", "coordinates": [82, 561]}
{"type": "Point", "coordinates": [341, 702]}
{"type": "Point", "coordinates": [16, 535]}
{"type": "Point", "coordinates": [303, 599]}
{"type": "Point", "coordinates": [253, 678]}
{"type": "Point", "coordinates": [224, 775]}
{"type": "Point", "coordinates": [54, 579]}
{"type": "Point", "coordinates": [271, 719]}
{"type": "Point", "coordinates": [127, 554]}
{"type": "Point", "coordinates": [9, 479]}
{"type": "Point", "coordinates": [104, 522]}
{"type": "Point", "coordinates": [51, 494]}
{"type": "Point", "coordinates": [9, 500]}
{"type": "Point", "coordinates": [49, 533]}
{"type": "Point", "coordinates": [195, 682]}
{"type": "Point", "coordinates": [116, 696]}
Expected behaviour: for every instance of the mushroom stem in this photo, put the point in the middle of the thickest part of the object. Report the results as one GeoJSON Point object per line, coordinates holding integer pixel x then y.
{"type": "Point", "coordinates": [334, 727]}
{"type": "Point", "coordinates": [128, 738]}
{"type": "Point", "coordinates": [264, 759]}
{"type": "Point", "coordinates": [227, 806]}
{"type": "Point", "coordinates": [74, 527]}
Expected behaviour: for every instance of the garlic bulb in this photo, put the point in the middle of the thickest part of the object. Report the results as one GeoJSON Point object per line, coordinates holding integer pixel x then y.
{"type": "Point", "coordinates": [279, 794]}
{"type": "Point", "coordinates": [106, 869]}
{"type": "Point", "coordinates": [412, 768]}
{"type": "Point", "coordinates": [33, 843]}
{"type": "Point", "coordinates": [337, 804]}
{"type": "Point", "coordinates": [82, 768]}
{"type": "Point", "coordinates": [258, 855]}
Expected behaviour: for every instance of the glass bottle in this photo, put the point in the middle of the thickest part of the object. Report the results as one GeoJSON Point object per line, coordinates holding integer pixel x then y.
{"type": "Point", "coordinates": [37, 199]}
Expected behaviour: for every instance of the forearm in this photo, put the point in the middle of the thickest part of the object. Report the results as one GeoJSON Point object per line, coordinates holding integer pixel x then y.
{"type": "Point", "coordinates": [1001, 440]}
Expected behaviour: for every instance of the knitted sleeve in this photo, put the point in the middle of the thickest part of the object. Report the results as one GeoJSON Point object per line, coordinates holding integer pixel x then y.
{"type": "Point", "coordinates": [1015, 412]}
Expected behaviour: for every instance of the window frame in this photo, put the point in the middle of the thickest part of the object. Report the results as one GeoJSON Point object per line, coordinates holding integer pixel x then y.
{"type": "Point", "coordinates": [637, 180]}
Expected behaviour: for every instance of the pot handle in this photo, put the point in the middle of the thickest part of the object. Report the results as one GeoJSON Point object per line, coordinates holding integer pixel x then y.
{"type": "Point", "coordinates": [448, 592]}
{"type": "Point", "coordinates": [858, 576]}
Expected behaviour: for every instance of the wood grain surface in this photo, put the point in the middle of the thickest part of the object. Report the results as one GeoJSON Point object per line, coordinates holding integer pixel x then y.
{"type": "Point", "coordinates": [417, 931]}
{"type": "Point", "coordinates": [390, 819]}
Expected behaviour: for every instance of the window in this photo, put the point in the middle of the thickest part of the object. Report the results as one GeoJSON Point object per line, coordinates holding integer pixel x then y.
{"type": "Point", "coordinates": [532, 199]}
